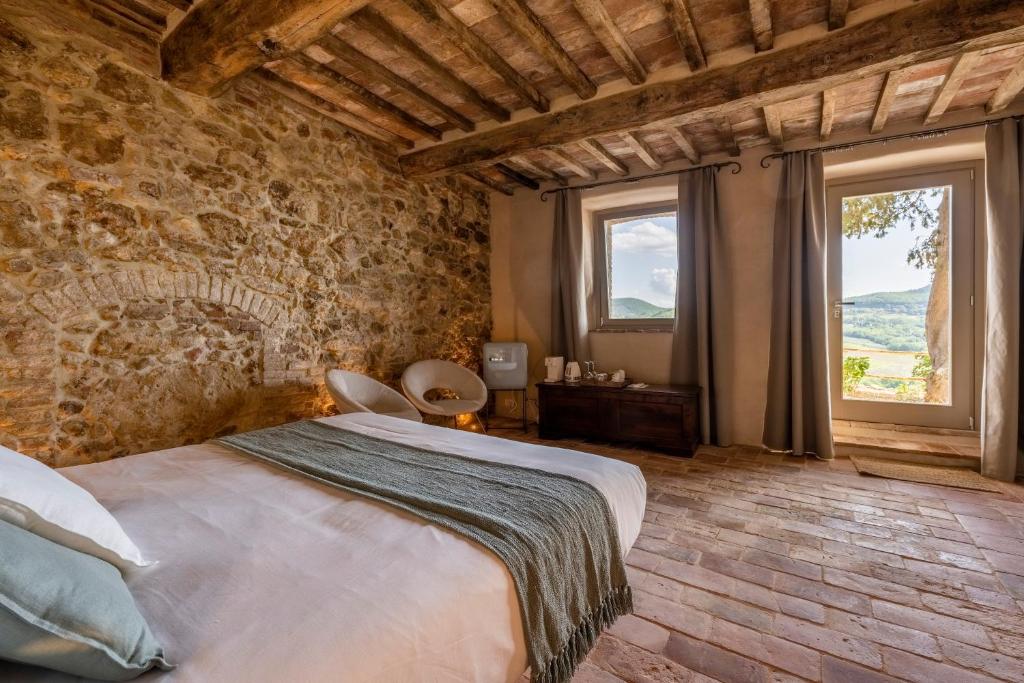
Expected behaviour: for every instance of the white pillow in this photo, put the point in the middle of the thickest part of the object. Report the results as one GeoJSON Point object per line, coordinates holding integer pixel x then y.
{"type": "Point", "coordinates": [38, 499]}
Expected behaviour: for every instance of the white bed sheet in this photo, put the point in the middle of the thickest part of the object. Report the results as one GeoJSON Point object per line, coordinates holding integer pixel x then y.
{"type": "Point", "coordinates": [264, 575]}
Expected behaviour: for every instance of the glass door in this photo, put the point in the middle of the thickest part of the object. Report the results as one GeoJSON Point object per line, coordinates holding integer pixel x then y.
{"type": "Point", "coordinates": [900, 281]}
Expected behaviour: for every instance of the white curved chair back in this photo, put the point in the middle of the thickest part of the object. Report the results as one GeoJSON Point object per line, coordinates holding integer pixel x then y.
{"type": "Point", "coordinates": [355, 393]}
{"type": "Point", "coordinates": [424, 375]}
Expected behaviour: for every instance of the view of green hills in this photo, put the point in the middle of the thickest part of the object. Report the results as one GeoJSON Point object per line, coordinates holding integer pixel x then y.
{"type": "Point", "coordinates": [887, 320]}
{"type": "Point", "coordinates": [629, 308]}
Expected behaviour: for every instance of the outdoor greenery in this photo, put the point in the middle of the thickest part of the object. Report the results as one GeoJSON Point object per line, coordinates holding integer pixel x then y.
{"type": "Point", "coordinates": [877, 214]}
{"type": "Point", "coordinates": [889, 320]}
{"type": "Point", "coordinates": [629, 308]}
{"type": "Point", "coordinates": [854, 369]}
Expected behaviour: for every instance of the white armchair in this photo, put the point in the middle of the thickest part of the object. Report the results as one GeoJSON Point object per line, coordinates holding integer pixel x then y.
{"type": "Point", "coordinates": [424, 375]}
{"type": "Point", "coordinates": [355, 393]}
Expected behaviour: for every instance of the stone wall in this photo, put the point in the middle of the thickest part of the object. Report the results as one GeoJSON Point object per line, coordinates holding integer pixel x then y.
{"type": "Point", "coordinates": [174, 268]}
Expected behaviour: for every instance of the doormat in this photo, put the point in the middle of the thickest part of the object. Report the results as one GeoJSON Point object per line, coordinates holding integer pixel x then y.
{"type": "Point", "coordinates": [958, 477]}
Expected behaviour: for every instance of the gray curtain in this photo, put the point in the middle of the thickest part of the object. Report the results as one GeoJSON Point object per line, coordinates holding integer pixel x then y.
{"type": "Point", "coordinates": [570, 283]}
{"type": "Point", "coordinates": [1001, 418]}
{"type": "Point", "coordinates": [798, 415]}
{"type": "Point", "coordinates": [701, 326]}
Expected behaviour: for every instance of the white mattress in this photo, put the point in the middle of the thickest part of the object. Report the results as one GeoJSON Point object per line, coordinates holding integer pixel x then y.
{"type": "Point", "coordinates": [264, 575]}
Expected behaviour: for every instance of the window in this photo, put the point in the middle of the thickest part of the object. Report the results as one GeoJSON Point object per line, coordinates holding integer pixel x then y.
{"type": "Point", "coordinates": [636, 263]}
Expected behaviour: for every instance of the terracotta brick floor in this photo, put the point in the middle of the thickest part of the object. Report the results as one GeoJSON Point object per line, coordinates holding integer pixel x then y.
{"type": "Point", "coordinates": [762, 567]}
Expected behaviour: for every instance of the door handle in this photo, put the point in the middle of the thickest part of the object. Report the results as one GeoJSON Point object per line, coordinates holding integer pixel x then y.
{"type": "Point", "coordinates": [837, 307]}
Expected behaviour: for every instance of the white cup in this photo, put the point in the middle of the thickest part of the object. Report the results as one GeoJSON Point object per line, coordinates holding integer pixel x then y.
{"type": "Point", "coordinates": [572, 372]}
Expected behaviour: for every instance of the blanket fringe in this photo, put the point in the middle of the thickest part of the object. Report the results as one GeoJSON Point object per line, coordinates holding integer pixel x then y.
{"type": "Point", "coordinates": [561, 667]}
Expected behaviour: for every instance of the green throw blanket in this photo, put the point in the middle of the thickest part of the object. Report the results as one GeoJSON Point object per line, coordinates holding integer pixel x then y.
{"type": "Point", "coordinates": [556, 534]}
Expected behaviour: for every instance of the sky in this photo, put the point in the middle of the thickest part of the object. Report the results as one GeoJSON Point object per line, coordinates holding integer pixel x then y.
{"type": "Point", "coordinates": [872, 264]}
{"type": "Point", "coordinates": [643, 260]}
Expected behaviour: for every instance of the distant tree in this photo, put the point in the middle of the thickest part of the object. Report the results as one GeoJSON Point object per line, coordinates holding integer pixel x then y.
{"type": "Point", "coordinates": [877, 214]}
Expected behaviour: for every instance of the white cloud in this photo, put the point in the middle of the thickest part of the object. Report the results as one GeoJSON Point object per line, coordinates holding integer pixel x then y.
{"type": "Point", "coordinates": [647, 237]}
{"type": "Point", "coordinates": [663, 281]}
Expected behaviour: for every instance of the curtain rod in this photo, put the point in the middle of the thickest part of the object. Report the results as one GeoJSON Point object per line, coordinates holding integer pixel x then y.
{"type": "Point", "coordinates": [919, 135]}
{"type": "Point", "coordinates": [635, 179]}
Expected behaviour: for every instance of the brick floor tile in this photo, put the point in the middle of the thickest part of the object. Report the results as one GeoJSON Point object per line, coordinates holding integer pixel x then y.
{"type": "Point", "coordinates": [640, 632]}
{"type": "Point", "coordinates": [800, 608]}
{"type": "Point", "coordinates": [990, 526]}
{"type": "Point", "coordinates": [995, 599]}
{"type": "Point", "coordinates": [819, 592]}
{"type": "Point", "coordinates": [643, 559]}
{"type": "Point", "coordinates": [908, 667]}
{"type": "Point", "coordinates": [1013, 583]}
{"type": "Point", "coordinates": [589, 673]}
{"type": "Point", "coordinates": [828, 640]}
{"type": "Point", "coordinates": [878, 588]}
{"type": "Point", "coordinates": [995, 664]}
{"type": "Point", "coordinates": [713, 661]}
{"type": "Point", "coordinates": [728, 609]}
{"type": "Point", "coordinates": [632, 663]}
{"type": "Point", "coordinates": [1005, 562]}
{"type": "Point", "coordinates": [900, 637]}
{"type": "Point", "coordinates": [841, 671]}
{"type": "Point", "coordinates": [930, 622]}
{"type": "Point", "coordinates": [856, 527]}
{"type": "Point", "coordinates": [751, 541]}
{"type": "Point", "coordinates": [864, 553]}
{"type": "Point", "coordinates": [779, 653]}
{"type": "Point", "coordinates": [782, 563]}
{"type": "Point", "coordinates": [953, 574]}
{"type": "Point", "coordinates": [667, 549]}
{"type": "Point", "coordinates": [1009, 644]}
{"type": "Point", "coordinates": [737, 569]}
{"type": "Point", "coordinates": [975, 613]}
{"type": "Point", "coordinates": [674, 615]}
{"type": "Point", "coordinates": [1005, 544]}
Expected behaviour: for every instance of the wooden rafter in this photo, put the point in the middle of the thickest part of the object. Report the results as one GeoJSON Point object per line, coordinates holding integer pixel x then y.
{"type": "Point", "coordinates": [601, 154]}
{"type": "Point", "coordinates": [686, 35]}
{"type": "Point", "coordinates": [828, 113]}
{"type": "Point", "coordinates": [1011, 86]}
{"type": "Point", "coordinates": [220, 40]}
{"type": "Point", "coordinates": [364, 97]}
{"type": "Point", "coordinates": [960, 71]}
{"type": "Point", "coordinates": [773, 122]}
{"type": "Point", "coordinates": [517, 177]}
{"type": "Point", "coordinates": [378, 72]}
{"type": "Point", "coordinates": [373, 22]}
{"type": "Point", "coordinates": [608, 33]}
{"type": "Point", "coordinates": [643, 151]}
{"type": "Point", "coordinates": [886, 98]}
{"type": "Point", "coordinates": [144, 33]}
{"type": "Point", "coordinates": [488, 183]}
{"type": "Point", "coordinates": [727, 136]}
{"type": "Point", "coordinates": [684, 143]}
{"type": "Point", "coordinates": [521, 18]}
{"type": "Point", "coordinates": [560, 157]}
{"type": "Point", "coordinates": [837, 10]}
{"type": "Point", "coordinates": [136, 13]}
{"type": "Point", "coordinates": [440, 18]}
{"type": "Point", "coordinates": [183, 5]}
{"type": "Point", "coordinates": [761, 24]}
{"type": "Point", "coordinates": [329, 109]}
{"type": "Point", "coordinates": [918, 33]}
{"type": "Point", "coordinates": [536, 169]}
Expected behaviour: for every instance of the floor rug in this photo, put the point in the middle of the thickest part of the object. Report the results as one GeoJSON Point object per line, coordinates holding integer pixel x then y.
{"type": "Point", "coordinates": [959, 477]}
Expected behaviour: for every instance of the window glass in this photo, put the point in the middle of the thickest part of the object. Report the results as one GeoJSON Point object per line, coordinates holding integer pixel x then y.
{"type": "Point", "coordinates": [641, 268]}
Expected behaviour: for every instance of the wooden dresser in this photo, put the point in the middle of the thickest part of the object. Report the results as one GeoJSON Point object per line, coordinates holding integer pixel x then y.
{"type": "Point", "coordinates": [660, 416]}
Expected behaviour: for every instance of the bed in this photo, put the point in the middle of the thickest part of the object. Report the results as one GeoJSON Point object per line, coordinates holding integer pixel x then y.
{"type": "Point", "coordinates": [266, 575]}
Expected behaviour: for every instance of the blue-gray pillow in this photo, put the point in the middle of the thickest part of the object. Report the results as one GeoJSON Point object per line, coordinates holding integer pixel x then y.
{"type": "Point", "coordinates": [68, 611]}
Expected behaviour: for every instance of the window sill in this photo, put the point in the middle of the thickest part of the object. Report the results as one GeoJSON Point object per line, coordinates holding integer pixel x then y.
{"type": "Point", "coordinates": [642, 330]}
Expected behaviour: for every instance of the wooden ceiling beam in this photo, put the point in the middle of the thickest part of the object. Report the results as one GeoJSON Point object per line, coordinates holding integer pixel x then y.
{"type": "Point", "coordinates": [761, 24]}
{"type": "Point", "coordinates": [922, 32]}
{"type": "Point", "coordinates": [135, 13]}
{"type": "Point", "coordinates": [364, 97]}
{"type": "Point", "coordinates": [380, 73]}
{"type": "Point", "coordinates": [837, 10]}
{"type": "Point", "coordinates": [957, 74]}
{"type": "Point", "coordinates": [828, 113]}
{"type": "Point", "coordinates": [560, 157]}
{"type": "Point", "coordinates": [329, 109]}
{"type": "Point", "coordinates": [371, 21]}
{"type": "Point", "coordinates": [1011, 86]}
{"type": "Point", "coordinates": [441, 19]}
{"type": "Point", "coordinates": [773, 122]}
{"type": "Point", "coordinates": [609, 35]}
{"type": "Point", "coordinates": [219, 40]}
{"type": "Point", "coordinates": [727, 136]}
{"type": "Point", "coordinates": [521, 18]}
{"type": "Point", "coordinates": [517, 177]}
{"type": "Point", "coordinates": [684, 143]}
{"type": "Point", "coordinates": [601, 153]}
{"type": "Point", "coordinates": [886, 98]}
{"type": "Point", "coordinates": [643, 151]}
{"type": "Point", "coordinates": [183, 5]}
{"type": "Point", "coordinates": [686, 35]}
{"type": "Point", "coordinates": [122, 22]}
{"type": "Point", "coordinates": [487, 183]}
